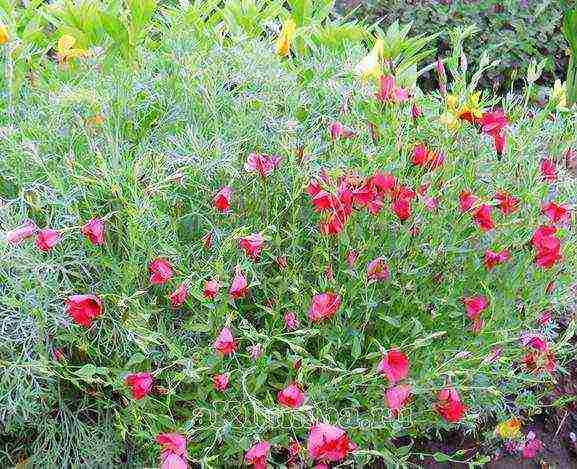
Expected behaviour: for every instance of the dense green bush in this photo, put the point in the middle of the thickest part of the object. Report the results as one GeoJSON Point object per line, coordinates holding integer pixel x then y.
{"type": "Point", "coordinates": [513, 31]}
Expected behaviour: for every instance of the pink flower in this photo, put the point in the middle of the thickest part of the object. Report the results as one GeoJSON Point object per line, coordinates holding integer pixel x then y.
{"type": "Point", "coordinates": [46, 239]}
{"type": "Point", "coordinates": [323, 306]}
{"type": "Point", "coordinates": [261, 164]}
{"type": "Point", "coordinates": [210, 289]}
{"type": "Point", "coordinates": [18, 235]}
{"type": "Point", "coordinates": [389, 92]}
{"type": "Point", "coordinates": [140, 384]}
{"type": "Point", "coordinates": [291, 396]}
{"type": "Point", "coordinates": [397, 397]}
{"type": "Point", "coordinates": [291, 321]}
{"type": "Point", "coordinates": [252, 245]}
{"type": "Point", "coordinates": [221, 200]}
{"type": "Point", "coordinates": [428, 159]}
{"type": "Point", "coordinates": [173, 451]}
{"type": "Point", "coordinates": [255, 351]}
{"type": "Point", "coordinates": [94, 231]}
{"type": "Point", "coordinates": [394, 365]}
{"type": "Point", "coordinates": [556, 213]}
{"type": "Point", "coordinates": [160, 271]}
{"type": "Point", "coordinates": [548, 170]}
{"type": "Point", "coordinates": [493, 258]}
{"type": "Point", "coordinates": [338, 130]}
{"type": "Point", "coordinates": [220, 382]}
{"type": "Point", "coordinates": [83, 309]}
{"type": "Point", "coordinates": [415, 112]}
{"type": "Point", "coordinates": [178, 296]}
{"type": "Point", "coordinates": [466, 201]}
{"type": "Point", "coordinates": [257, 454]}
{"type": "Point", "coordinates": [328, 443]}
{"type": "Point", "coordinates": [225, 343]}
{"type": "Point", "coordinates": [548, 247]}
{"type": "Point", "coordinates": [535, 341]}
{"type": "Point", "coordinates": [377, 270]}
{"type": "Point", "coordinates": [475, 305]}
{"type": "Point", "coordinates": [533, 446]}
{"type": "Point", "coordinates": [352, 257]}
{"type": "Point", "coordinates": [239, 285]}
{"type": "Point", "coordinates": [449, 405]}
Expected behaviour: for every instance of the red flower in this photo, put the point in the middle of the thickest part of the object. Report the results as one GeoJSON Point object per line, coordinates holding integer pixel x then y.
{"type": "Point", "coordinates": [178, 296]}
{"type": "Point", "coordinates": [493, 258]}
{"type": "Point", "coordinates": [415, 112]}
{"type": "Point", "coordinates": [220, 382]}
{"type": "Point", "coordinates": [252, 245]}
{"type": "Point", "coordinates": [397, 397]}
{"type": "Point", "coordinates": [46, 239]}
{"type": "Point", "coordinates": [328, 443]}
{"type": "Point", "coordinates": [211, 288]}
{"type": "Point", "coordinates": [261, 164]}
{"type": "Point", "coordinates": [394, 365]}
{"type": "Point", "coordinates": [482, 216]}
{"type": "Point", "coordinates": [506, 203]}
{"type": "Point", "coordinates": [173, 451]}
{"type": "Point", "coordinates": [225, 343]}
{"type": "Point", "coordinates": [429, 159]}
{"type": "Point", "coordinates": [140, 384]}
{"type": "Point", "coordinates": [384, 183]}
{"type": "Point", "coordinates": [18, 235]}
{"type": "Point", "coordinates": [535, 341]}
{"type": "Point", "coordinates": [499, 142]}
{"type": "Point", "coordinates": [160, 271]}
{"type": "Point", "coordinates": [548, 247]}
{"type": "Point", "coordinates": [540, 361]}
{"type": "Point", "coordinates": [556, 213]}
{"type": "Point", "coordinates": [466, 201]}
{"type": "Point", "coordinates": [338, 130]}
{"type": "Point", "coordinates": [83, 309]}
{"type": "Point", "coordinates": [239, 285]}
{"type": "Point", "coordinates": [257, 454]}
{"type": "Point", "coordinates": [377, 270]}
{"type": "Point", "coordinates": [290, 320]}
{"type": "Point", "coordinates": [323, 306]}
{"type": "Point", "coordinates": [389, 92]}
{"type": "Point", "coordinates": [94, 231]}
{"type": "Point", "coordinates": [221, 200]}
{"type": "Point", "coordinates": [493, 122]}
{"type": "Point", "coordinates": [548, 170]}
{"type": "Point", "coordinates": [401, 208]}
{"type": "Point", "coordinates": [291, 396]}
{"type": "Point", "coordinates": [449, 405]}
{"type": "Point", "coordinates": [475, 305]}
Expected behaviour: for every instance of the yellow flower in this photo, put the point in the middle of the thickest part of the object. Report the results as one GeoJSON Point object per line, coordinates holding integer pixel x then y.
{"type": "Point", "coordinates": [283, 43]}
{"type": "Point", "coordinates": [450, 120]}
{"type": "Point", "coordinates": [370, 65]}
{"type": "Point", "coordinates": [558, 95]}
{"type": "Point", "coordinates": [4, 35]}
{"type": "Point", "coordinates": [66, 50]}
{"type": "Point", "coordinates": [509, 428]}
{"type": "Point", "coordinates": [471, 110]}
{"type": "Point", "coordinates": [451, 102]}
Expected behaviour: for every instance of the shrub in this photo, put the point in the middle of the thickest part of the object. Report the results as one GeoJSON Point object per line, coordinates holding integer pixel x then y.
{"type": "Point", "coordinates": [383, 291]}
{"type": "Point", "coordinates": [515, 32]}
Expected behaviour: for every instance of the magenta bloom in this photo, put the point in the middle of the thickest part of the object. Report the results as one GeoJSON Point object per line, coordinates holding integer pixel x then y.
{"type": "Point", "coordinates": [327, 443]}
{"type": "Point", "coordinates": [18, 235]}
{"type": "Point", "coordinates": [257, 454]}
{"type": "Point", "coordinates": [323, 306]}
{"type": "Point", "coordinates": [261, 164]}
{"type": "Point", "coordinates": [291, 396]}
{"type": "Point", "coordinates": [377, 270]}
{"type": "Point", "coordinates": [46, 239]}
{"type": "Point", "coordinates": [94, 231]}
{"type": "Point", "coordinates": [172, 451]}
{"type": "Point", "coordinates": [252, 245]}
{"type": "Point", "coordinates": [394, 365]}
{"type": "Point", "coordinates": [140, 384]}
{"type": "Point", "coordinates": [225, 343]}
